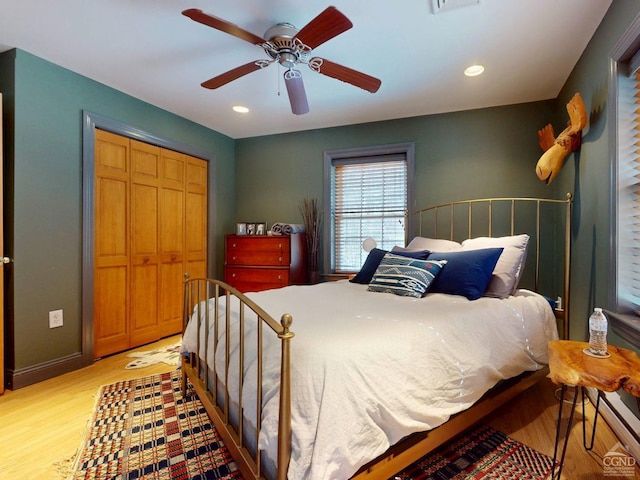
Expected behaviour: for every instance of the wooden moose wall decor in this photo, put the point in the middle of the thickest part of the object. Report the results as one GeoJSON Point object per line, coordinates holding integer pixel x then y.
{"type": "Point", "coordinates": [557, 149]}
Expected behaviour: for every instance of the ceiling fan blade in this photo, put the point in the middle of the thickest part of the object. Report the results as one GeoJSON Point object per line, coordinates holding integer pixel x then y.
{"type": "Point", "coordinates": [222, 25]}
{"type": "Point", "coordinates": [231, 75]}
{"type": "Point", "coordinates": [325, 26]}
{"type": "Point", "coordinates": [346, 74]}
{"type": "Point", "coordinates": [295, 89]}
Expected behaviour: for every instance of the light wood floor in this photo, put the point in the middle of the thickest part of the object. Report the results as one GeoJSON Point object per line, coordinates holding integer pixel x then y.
{"type": "Point", "coordinates": [41, 426]}
{"type": "Point", "coordinates": [531, 419]}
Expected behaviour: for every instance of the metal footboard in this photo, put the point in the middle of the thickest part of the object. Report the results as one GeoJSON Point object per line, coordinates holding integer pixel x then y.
{"type": "Point", "coordinates": [211, 386]}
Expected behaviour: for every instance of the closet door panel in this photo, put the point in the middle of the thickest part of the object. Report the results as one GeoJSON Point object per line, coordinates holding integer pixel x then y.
{"type": "Point", "coordinates": [145, 260]}
{"type": "Point", "coordinates": [196, 221]}
{"type": "Point", "coordinates": [172, 222]}
{"type": "Point", "coordinates": [172, 246]}
{"type": "Point", "coordinates": [111, 244]}
{"type": "Point", "coordinates": [111, 241]}
{"type": "Point", "coordinates": [110, 317]}
{"type": "Point", "coordinates": [144, 305]}
{"type": "Point", "coordinates": [170, 320]}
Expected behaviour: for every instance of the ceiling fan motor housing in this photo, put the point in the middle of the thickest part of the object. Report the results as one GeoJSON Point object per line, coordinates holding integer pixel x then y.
{"type": "Point", "coordinates": [282, 47]}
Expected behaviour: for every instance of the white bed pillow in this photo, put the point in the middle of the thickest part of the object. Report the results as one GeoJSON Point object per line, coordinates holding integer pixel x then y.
{"type": "Point", "coordinates": [433, 244]}
{"type": "Point", "coordinates": [508, 271]}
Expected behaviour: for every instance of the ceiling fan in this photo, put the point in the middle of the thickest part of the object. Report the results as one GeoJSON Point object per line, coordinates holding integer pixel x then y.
{"type": "Point", "coordinates": [285, 44]}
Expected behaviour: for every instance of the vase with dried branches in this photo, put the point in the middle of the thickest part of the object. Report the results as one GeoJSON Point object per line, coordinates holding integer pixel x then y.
{"type": "Point", "coordinates": [312, 219]}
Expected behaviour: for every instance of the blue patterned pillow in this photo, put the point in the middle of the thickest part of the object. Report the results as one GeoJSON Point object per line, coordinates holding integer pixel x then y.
{"type": "Point", "coordinates": [404, 276]}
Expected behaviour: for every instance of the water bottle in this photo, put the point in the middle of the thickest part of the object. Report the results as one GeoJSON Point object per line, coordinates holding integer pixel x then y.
{"type": "Point", "coordinates": [598, 332]}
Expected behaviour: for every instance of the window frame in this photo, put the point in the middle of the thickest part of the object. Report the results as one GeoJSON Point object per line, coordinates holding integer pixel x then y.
{"type": "Point", "coordinates": [623, 322]}
{"type": "Point", "coordinates": [336, 156]}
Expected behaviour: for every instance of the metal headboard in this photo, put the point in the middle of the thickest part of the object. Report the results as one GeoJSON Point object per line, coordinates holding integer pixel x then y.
{"type": "Point", "coordinates": [478, 217]}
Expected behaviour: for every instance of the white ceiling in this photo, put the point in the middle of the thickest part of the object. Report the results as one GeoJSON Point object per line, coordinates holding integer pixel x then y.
{"type": "Point", "coordinates": [148, 49]}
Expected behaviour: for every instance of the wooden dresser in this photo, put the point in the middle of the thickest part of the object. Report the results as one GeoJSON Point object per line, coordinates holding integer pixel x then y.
{"type": "Point", "coordinates": [261, 262]}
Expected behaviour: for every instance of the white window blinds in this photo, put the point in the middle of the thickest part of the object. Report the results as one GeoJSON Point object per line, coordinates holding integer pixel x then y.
{"type": "Point", "coordinates": [369, 199]}
{"type": "Point", "coordinates": [628, 193]}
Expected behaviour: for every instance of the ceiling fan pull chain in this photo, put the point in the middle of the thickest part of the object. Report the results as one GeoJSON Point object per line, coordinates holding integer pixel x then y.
{"type": "Point", "coordinates": [279, 79]}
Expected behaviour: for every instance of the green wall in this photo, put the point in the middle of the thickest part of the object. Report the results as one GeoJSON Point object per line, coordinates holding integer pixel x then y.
{"type": "Point", "coordinates": [476, 153]}
{"type": "Point", "coordinates": [588, 173]}
{"type": "Point", "coordinates": [44, 186]}
{"type": "Point", "coordinates": [589, 176]}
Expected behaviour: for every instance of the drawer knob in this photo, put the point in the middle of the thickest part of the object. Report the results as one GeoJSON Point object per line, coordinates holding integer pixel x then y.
{"type": "Point", "coordinates": [234, 258]}
{"type": "Point", "coordinates": [234, 245]}
{"type": "Point", "coordinates": [233, 275]}
{"type": "Point", "coordinates": [279, 277]}
{"type": "Point", "coordinates": [280, 259]}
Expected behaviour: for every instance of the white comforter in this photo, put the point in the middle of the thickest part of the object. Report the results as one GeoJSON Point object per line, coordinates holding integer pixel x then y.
{"type": "Point", "coordinates": [370, 368]}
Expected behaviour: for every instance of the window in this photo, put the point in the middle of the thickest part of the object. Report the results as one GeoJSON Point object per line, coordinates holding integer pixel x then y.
{"type": "Point", "coordinates": [628, 195]}
{"type": "Point", "coordinates": [624, 101]}
{"type": "Point", "coordinates": [367, 195]}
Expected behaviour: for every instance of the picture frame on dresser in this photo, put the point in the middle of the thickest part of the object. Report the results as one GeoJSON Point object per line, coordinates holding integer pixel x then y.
{"type": "Point", "coordinates": [261, 228]}
{"type": "Point", "coordinates": [241, 228]}
{"type": "Point", "coordinates": [251, 228]}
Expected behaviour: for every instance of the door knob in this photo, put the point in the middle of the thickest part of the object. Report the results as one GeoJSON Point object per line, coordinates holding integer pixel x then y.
{"type": "Point", "coordinates": [7, 259]}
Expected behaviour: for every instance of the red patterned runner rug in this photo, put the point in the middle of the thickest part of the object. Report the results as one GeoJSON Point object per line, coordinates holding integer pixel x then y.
{"type": "Point", "coordinates": [144, 428]}
{"type": "Point", "coordinates": [480, 453]}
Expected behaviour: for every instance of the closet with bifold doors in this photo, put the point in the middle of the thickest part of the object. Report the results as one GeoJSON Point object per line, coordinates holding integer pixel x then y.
{"type": "Point", "coordinates": [150, 228]}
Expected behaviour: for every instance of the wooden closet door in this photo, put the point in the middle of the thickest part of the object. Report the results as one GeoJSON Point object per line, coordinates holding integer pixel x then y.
{"type": "Point", "coordinates": [172, 224]}
{"type": "Point", "coordinates": [196, 228]}
{"type": "Point", "coordinates": [111, 244]}
{"type": "Point", "coordinates": [145, 254]}
{"type": "Point", "coordinates": [144, 196]}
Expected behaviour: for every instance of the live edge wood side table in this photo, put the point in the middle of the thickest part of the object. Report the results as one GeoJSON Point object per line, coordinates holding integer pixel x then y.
{"type": "Point", "coordinates": [570, 366]}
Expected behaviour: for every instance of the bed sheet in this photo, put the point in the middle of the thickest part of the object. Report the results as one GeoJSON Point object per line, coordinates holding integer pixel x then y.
{"type": "Point", "coordinates": [368, 369]}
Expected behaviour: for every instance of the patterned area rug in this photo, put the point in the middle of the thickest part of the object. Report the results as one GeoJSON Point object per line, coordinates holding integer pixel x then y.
{"type": "Point", "coordinates": [169, 355]}
{"type": "Point", "coordinates": [144, 428]}
{"type": "Point", "coordinates": [481, 453]}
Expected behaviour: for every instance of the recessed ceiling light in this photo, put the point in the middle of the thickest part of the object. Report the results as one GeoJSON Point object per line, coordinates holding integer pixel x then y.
{"type": "Point", "coordinates": [473, 70]}
{"type": "Point", "coordinates": [240, 109]}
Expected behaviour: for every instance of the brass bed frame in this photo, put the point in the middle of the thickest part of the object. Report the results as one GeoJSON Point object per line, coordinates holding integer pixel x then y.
{"type": "Point", "coordinates": [216, 399]}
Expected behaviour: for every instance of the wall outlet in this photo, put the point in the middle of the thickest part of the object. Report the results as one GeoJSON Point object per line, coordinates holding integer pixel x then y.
{"type": "Point", "coordinates": [55, 319]}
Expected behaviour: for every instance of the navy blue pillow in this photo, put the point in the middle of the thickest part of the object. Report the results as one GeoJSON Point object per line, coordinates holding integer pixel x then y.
{"type": "Point", "coordinates": [374, 258]}
{"type": "Point", "coordinates": [467, 272]}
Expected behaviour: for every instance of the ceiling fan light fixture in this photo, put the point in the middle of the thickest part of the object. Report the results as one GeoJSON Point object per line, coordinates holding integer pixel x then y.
{"type": "Point", "coordinates": [288, 59]}
{"type": "Point", "coordinates": [295, 89]}
{"type": "Point", "coordinates": [240, 109]}
{"type": "Point", "coordinates": [473, 70]}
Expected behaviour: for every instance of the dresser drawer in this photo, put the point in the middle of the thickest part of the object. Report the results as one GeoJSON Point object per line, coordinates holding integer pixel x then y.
{"type": "Point", "coordinates": [256, 279]}
{"type": "Point", "coordinates": [264, 250]}
{"type": "Point", "coordinates": [260, 262]}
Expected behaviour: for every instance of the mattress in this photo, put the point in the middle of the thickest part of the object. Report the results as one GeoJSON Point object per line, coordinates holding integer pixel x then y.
{"type": "Point", "coordinates": [368, 368]}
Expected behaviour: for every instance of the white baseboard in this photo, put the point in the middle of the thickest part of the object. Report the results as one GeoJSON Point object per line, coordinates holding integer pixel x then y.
{"type": "Point", "coordinates": [617, 426]}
